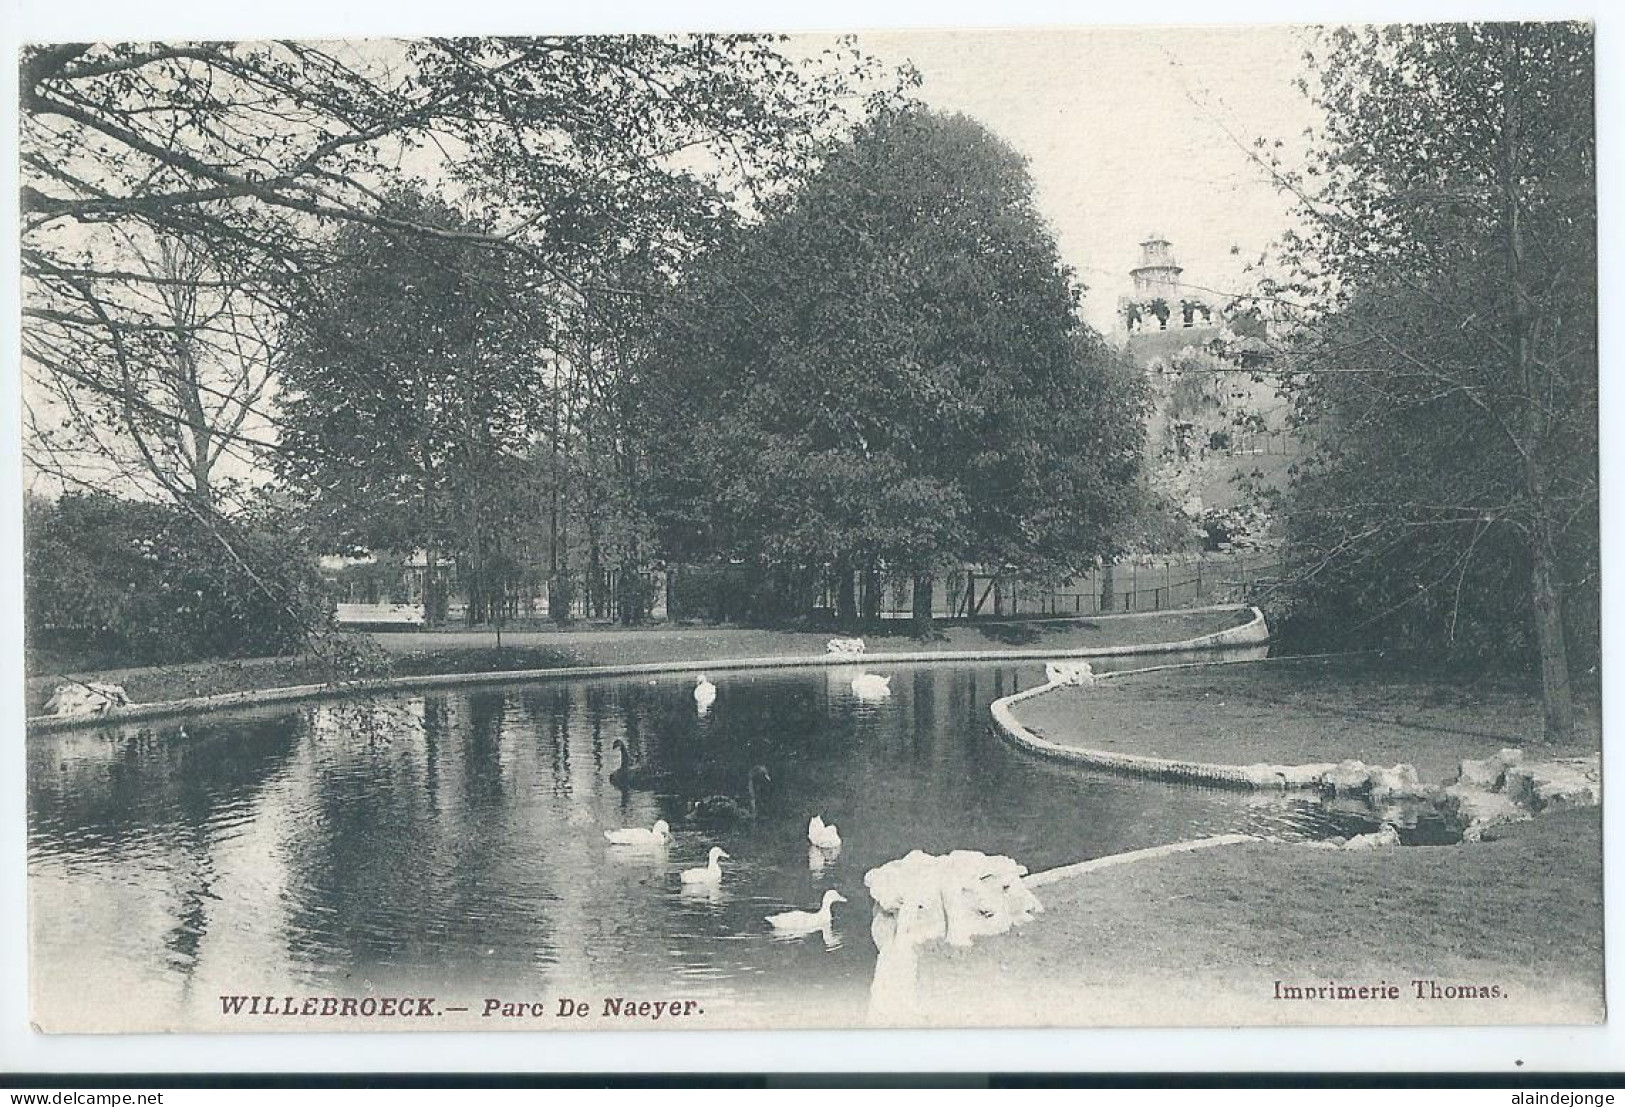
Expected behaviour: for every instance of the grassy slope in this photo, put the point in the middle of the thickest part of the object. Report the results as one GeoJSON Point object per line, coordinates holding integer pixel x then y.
{"type": "Point", "coordinates": [609, 646]}
{"type": "Point", "coordinates": [474, 651]}
{"type": "Point", "coordinates": [1301, 711]}
{"type": "Point", "coordinates": [1523, 911]}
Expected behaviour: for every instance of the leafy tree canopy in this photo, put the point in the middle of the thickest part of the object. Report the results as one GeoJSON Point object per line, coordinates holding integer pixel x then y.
{"type": "Point", "coordinates": [414, 382]}
{"type": "Point", "coordinates": [890, 368]}
{"type": "Point", "coordinates": [1446, 358]}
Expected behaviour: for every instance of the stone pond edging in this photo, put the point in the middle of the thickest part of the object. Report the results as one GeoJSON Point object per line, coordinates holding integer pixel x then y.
{"type": "Point", "coordinates": [1253, 632]}
{"type": "Point", "coordinates": [1160, 768]}
{"type": "Point", "coordinates": [1483, 795]}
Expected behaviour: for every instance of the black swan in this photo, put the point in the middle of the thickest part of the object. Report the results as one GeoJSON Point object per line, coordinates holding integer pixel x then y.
{"type": "Point", "coordinates": [629, 773]}
{"type": "Point", "coordinates": [723, 809]}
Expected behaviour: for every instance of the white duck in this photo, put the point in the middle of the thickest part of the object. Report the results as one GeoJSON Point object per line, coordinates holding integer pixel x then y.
{"type": "Point", "coordinates": [710, 874]}
{"type": "Point", "coordinates": [805, 922]}
{"type": "Point", "coordinates": [657, 835]}
{"type": "Point", "coordinates": [822, 834]}
{"type": "Point", "coordinates": [705, 693]}
{"type": "Point", "coordinates": [868, 686]}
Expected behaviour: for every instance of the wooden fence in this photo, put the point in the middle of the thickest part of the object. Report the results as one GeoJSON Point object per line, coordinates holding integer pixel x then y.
{"type": "Point", "coordinates": [1158, 585]}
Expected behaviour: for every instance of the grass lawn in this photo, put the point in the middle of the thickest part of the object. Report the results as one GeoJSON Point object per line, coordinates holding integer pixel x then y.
{"type": "Point", "coordinates": [469, 651]}
{"type": "Point", "coordinates": [1202, 937]}
{"type": "Point", "coordinates": [1377, 710]}
{"type": "Point", "coordinates": [616, 646]}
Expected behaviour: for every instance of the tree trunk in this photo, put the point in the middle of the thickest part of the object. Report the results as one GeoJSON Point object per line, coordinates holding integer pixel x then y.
{"type": "Point", "coordinates": [1108, 587]}
{"type": "Point", "coordinates": [1556, 695]}
{"type": "Point", "coordinates": [478, 588]}
{"type": "Point", "coordinates": [846, 598]}
{"type": "Point", "coordinates": [431, 608]}
{"type": "Point", "coordinates": [922, 604]}
{"type": "Point", "coordinates": [634, 597]}
{"type": "Point", "coordinates": [1545, 595]}
{"type": "Point", "coordinates": [554, 591]}
{"type": "Point", "coordinates": [871, 594]}
{"type": "Point", "coordinates": [595, 571]}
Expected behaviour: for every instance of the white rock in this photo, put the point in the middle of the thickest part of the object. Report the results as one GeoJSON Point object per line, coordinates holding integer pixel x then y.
{"type": "Point", "coordinates": [1399, 782]}
{"type": "Point", "coordinates": [1383, 838]}
{"type": "Point", "coordinates": [1489, 773]}
{"type": "Point", "coordinates": [86, 699]}
{"type": "Point", "coordinates": [1518, 785]}
{"type": "Point", "coordinates": [1356, 778]}
{"type": "Point", "coordinates": [1348, 778]}
{"type": "Point", "coordinates": [1264, 775]}
{"type": "Point", "coordinates": [1475, 810]}
{"type": "Point", "coordinates": [1076, 673]}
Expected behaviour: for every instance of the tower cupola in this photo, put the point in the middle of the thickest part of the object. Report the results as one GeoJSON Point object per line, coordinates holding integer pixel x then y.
{"type": "Point", "coordinates": [1158, 272]}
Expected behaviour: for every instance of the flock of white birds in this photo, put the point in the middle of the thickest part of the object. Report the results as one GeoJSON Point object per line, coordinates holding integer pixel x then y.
{"type": "Point", "coordinates": [824, 838]}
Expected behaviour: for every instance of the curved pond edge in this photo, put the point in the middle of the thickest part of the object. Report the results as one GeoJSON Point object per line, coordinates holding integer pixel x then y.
{"type": "Point", "coordinates": [1150, 853]}
{"type": "Point", "coordinates": [1250, 633]}
{"type": "Point", "coordinates": [1010, 728]}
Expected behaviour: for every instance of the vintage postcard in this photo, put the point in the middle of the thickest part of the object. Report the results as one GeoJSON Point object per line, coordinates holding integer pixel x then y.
{"type": "Point", "coordinates": [1048, 527]}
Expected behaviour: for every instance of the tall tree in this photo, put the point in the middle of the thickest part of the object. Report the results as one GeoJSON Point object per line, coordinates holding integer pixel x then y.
{"type": "Point", "coordinates": [566, 150]}
{"type": "Point", "coordinates": [889, 371]}
{"type": "Point", "coordinates": [1448, 359]}
{"type": "Point", "coordinates": [412, 387]}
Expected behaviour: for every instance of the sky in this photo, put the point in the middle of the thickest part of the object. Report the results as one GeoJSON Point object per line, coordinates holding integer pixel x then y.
{"type": "Point", "coordinates": [1128, 131]}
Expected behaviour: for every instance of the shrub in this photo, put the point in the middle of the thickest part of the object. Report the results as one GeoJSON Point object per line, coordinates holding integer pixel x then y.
{"type": "Point", "coordinates": [118, 582]}
{"type": "Point", "coordinates": [745, 594]}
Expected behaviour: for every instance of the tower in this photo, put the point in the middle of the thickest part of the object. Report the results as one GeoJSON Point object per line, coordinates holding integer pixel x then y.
{"type": "Point", "coordinates": [1157, 275]}
{"type": "Point", "coordinates": [1160, 302]}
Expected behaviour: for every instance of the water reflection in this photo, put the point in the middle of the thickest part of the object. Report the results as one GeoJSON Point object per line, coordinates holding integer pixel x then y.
{"type": "Point", "coordinates": [453, 842]}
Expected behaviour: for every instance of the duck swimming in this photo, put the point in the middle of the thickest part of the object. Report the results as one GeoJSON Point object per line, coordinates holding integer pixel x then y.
{"type": "Point", "coordinates": [868, 686]}
{"type": "Point", "coordinates": [822, 834]}
{"type": "Point", "coordinates": [710, 873]}
{"type": "Point", "coordinates": [722, 809]}
{"type": "Point", "coordinates": [705, 693]}
{"type": "Point", "coordinates": [657, 835]}
{"type": "Point", "coordinates": [805, 922]}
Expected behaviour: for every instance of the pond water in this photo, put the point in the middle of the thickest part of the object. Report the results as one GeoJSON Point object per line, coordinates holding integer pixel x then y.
{"type": "Point", "coordinates": [451, 843]}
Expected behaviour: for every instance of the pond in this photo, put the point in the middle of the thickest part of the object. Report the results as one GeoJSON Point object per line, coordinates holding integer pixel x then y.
{"type": "Point", "coordinates": [451, 844]}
